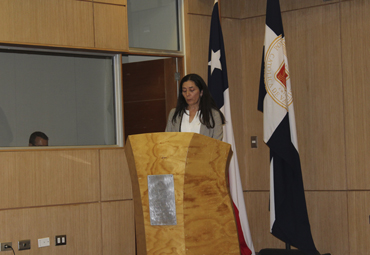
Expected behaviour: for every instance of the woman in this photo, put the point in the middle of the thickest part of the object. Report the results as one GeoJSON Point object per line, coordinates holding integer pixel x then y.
{"type": "Point", "coordinates": [196, 111]}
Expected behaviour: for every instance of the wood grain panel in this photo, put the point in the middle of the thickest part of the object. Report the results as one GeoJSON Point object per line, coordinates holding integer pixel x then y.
{"type": "Point", "coordinates": [111, 28]}
{"type": "Point", "coordinates": [114, 174]}
{"type": "Point", "coordinates": [37, 178]}
{"type": "Point", "coordinates": [327, 214]}
{"type": "Point", "coordinates": [197, 45]}
{"type": "Point", "coordinates": [80, 223]}
{"type": "Point", "coordinates": [254, 169]}
{"type": "Point", "coordinates": [356, 63]}
{"type": "Point", "coordinates": [314, 53]}
{"type": "Point", "coordinates": [150, 92]}
{"type": "Point", "coordinates": [64, 23]}
{"type": "Point", "coordinates": [141, 164]}
{"type": "Point", "coordinates": [118, 228]}
{"type": "Point", "coordinates": [118, 2]}
{"type": "Point", "coordinates": [232, 8]}
{"type": "Point", "coordinates": [145, 117]}
{"type": "Point", "coordinates": [257, 205]}
{"type": "Point", "coordinates": [327, 211]}
{"type": "Point", "coordinates": [203, 7]}
{"type": "Point", "coordinates": [227, 8]}
{"type": "Point", "coordinates": [209, 221]}
{"type": "Point", "coordinates": [205, 222]}
{"type": "Point", "coordinates": [358, 221]}
{"type": "Point", "coordinates": [253, 8]}
{"type": "Point", "coordinates": [143, 81]}
{"type": "Point", "coordinates": [233, 52]}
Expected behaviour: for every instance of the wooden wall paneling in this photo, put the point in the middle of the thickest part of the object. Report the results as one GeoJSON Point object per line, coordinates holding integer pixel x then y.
{"type": "Point", "coordinates": [327, 211]}
{"type": "Point", "coordinates": [355, 20]}
{"type": "Point", "coordinates": [114, 174]}
{"type": "Point", "coordinates": [118, 2]}
{"type": "Point", "coordinates": [238, 91]}
{"type": "Point", "coordinates": [38, 178]}
{"type": "Point", "coordinates": [288, 5]}
{"type": "Point", "coordinates": [257, 205]}
{"type": "Point", "coordinates": [45, 22]}
{"type": "Point", "coordinates": [314, 54]}
{"type": "Point", "coordinates": [253, 8]}
{"type": "Point", "coordinates": [327, 214]}
{"type": "Point", "coordinates": [80, 223]}
{"type": "Point", "coordinates": [358, 221]}
{"type": "Point", "coordinates": [199, 7]}
{"type": "Point", "coordinates": [118, 228]}
{"type": "Point", "coordinates": [111, 27]}
{"type": "Point", "coordinates": [197, 45]}
{"type": "Point", "coordinates": [256, 8]}
{"type": "Point", "coordinates": [255, 173]}
{"type": "Point", "coordinates": [233, 51]}
{"type": "Point", "coordinates": [231, 8]}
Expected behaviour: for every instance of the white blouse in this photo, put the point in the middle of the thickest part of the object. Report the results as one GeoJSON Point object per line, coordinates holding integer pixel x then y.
{"type": "Point", "coordinates": [193, 126]}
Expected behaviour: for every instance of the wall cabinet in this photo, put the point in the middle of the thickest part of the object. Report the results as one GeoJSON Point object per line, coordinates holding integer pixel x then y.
{"type": "Point", "coordinates": [67, 23]}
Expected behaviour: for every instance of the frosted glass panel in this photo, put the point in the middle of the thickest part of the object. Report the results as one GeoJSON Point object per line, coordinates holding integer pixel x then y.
{"type": "Point", "coordinates": [69, 98]}
{"type": "Point", "coordinates": [154, 24]}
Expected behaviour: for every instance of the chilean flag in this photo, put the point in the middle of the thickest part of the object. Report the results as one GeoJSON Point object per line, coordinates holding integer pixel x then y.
{"type": "Point", "coordinates": [288, 212]}
{"type": "Point", "coordinates": [219, 88]}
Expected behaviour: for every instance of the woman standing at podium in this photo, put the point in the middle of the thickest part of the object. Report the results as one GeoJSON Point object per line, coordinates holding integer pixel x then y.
{"type": "Point", "coordinates": [196, 111]}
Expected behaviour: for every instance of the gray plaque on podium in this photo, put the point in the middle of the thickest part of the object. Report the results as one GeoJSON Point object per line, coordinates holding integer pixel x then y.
{"type": "Point", "coordinates": [162, 206]}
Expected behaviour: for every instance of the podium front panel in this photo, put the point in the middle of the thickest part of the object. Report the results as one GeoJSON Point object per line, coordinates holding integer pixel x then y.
{"type": "Point", "coordinates": [204, 213]}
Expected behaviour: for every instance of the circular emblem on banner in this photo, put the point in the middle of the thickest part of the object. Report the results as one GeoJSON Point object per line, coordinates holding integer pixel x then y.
{"type": "Point", "coordinates": [277, 73]}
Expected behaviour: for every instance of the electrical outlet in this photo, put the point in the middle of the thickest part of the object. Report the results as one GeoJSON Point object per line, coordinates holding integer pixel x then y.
{"type": "Point", "coordinates": [60, 240]}
{"type": "Point", "coordinates": [24, 245]}
{"type": "Point", "coordinates": [43, 242]}
{"type": "Point", "coordinates": [2, 246]}
{"type": "Point", "coordinates": [253, 141]}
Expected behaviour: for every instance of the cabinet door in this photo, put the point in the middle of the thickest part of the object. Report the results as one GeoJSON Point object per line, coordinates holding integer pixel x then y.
{"type": "Point", "coordinates": [45, 22]}
{"type": "Point", "coordinates": [111, 29]}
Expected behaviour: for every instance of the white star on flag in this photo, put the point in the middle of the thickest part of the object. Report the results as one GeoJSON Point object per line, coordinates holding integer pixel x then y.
{"type": "Point", "coordinates": [215, 60]}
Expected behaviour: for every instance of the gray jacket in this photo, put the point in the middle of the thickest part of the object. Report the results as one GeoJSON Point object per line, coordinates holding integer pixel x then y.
{"type": "Point", "coordinates": [216, 132]}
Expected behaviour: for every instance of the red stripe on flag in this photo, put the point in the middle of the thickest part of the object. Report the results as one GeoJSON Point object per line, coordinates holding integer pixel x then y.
{"type": "Point", "coordinates": [244, 249]}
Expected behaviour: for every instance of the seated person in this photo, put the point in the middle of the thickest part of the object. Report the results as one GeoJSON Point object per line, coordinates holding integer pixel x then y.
{"type": "Point", "coordinates": [38, 139]}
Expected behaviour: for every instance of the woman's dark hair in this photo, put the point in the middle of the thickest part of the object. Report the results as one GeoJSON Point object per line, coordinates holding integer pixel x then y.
{"type": "Point", "coordinates": [206, 102]}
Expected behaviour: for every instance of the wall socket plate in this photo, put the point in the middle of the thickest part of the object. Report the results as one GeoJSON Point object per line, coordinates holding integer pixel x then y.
{"type": "Point", "coordinates": [43, 242]}
{"type": "Point", "coordinates": [2, 248]}
{"type": "Point", "coordinates": [24, 245]}
{"type": "Point", "coordinates": [60, 240]}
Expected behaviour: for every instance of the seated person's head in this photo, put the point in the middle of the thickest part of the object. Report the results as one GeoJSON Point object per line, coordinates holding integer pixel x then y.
{"type": "Point", "coordinates": [38, 139]}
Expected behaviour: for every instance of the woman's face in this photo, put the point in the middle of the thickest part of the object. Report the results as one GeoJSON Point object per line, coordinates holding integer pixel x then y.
{"type": "Point", "coordinates": [191, 93]}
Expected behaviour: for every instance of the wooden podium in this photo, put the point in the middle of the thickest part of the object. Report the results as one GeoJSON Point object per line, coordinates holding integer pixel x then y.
{"type": "Point", "coordinates": [204, 218]}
